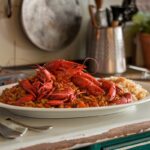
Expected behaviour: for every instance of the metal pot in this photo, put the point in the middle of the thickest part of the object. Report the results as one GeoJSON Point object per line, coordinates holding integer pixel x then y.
{"type": "Point", "coordinates": [108, 50]}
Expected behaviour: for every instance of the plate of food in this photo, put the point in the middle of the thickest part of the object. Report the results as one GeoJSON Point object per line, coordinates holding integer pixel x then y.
{"type": "Point", "coordinates": [63, 89]}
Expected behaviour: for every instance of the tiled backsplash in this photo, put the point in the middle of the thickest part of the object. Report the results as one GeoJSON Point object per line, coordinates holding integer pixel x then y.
{"type": "Point", "coordinates": [16, 49]}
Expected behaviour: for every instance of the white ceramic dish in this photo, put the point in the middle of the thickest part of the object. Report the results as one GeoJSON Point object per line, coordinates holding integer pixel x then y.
{"type": "Point", "coordinates": [69, 112]}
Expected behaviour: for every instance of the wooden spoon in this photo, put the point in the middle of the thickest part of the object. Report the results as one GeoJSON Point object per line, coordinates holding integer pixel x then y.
{"type": "Point", "coordinates": [98, 4]}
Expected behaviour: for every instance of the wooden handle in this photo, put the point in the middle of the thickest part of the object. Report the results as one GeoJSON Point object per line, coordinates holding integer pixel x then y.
{"type": "Point", "coordinates": [93, 18]}
{"type": "Point", "coordinates": [115, 23]}
{"type": "Point", "coordinates": [94, 21]}
{"type": "Point", "coordinates": [98, 4]}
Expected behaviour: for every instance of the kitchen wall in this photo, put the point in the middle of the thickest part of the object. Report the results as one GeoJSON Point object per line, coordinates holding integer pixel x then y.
{"type": "Point", "coordinates": [16, 49]}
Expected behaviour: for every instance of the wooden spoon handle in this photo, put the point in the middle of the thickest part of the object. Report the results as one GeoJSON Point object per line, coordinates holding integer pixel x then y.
{"type": "Point", "coordinates": [98, 4]}
{"type": "Point", "coordinates": [93, 18]}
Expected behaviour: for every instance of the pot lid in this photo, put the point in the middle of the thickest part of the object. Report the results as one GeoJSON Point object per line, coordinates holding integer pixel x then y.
{"type": "Point", "coordinates": [51, 24]}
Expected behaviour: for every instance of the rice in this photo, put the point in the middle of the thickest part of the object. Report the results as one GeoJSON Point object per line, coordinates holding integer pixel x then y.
{"type": "Point", "coordinates": [82, 97]}
{"type": "Point", "coordinates": [130, 86]}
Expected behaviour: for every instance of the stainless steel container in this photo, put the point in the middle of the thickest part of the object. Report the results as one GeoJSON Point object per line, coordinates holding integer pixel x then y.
{"type": "Point", "coordinates": [108, 50]}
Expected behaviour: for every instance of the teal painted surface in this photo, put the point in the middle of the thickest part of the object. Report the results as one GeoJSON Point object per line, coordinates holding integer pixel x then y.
{"type": "Point", "coordinates": [122, 142]}
{"type": "Point", "coordinates": [143, 147]}
{"type": "Point", "coordinates": [92, 147]}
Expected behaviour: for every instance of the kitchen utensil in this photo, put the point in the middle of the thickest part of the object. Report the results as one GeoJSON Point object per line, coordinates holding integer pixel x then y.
{"type": "Point", "coordinates": [130, 9]}
{"type": "Point", "coordinates": [108, 16]}
{"type": "Point", "coordinates": [98, 4]}
{"type": "Point", "coordinates": [98, 19]}
{"type": "Point", "coordinates": [102, 18]}
{"type": "Point", "coordinates": [40, 128]}
{"type": "Point", "coordinates": [11, 133]}
{"type": "Point", "coordinates": [105, 43]}
{"type": "Point", "coordinates": [145, 72]}
{"type": "Point", "coordinates": [137, 68]}
{"type": "Point", "coordinates": [93, 18]}
{"type": "Point", "coordinates": [108, 50]}
{"type": "Point", "coordinates": [9, 8]}
{"type": "Point", "coordinates": [51, 24]}
{"type": "Point", "coordinates": [98, 16]}
{"type": "Point", "coordinates": [116, 13]}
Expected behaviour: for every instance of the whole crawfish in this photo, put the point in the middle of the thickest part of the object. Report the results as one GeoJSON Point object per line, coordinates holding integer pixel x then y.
{"type": "Point", "coordinates": [74, 72]}
{"type": "Point", "coordinates": [42, 86]}
{"type": "Point", "coordinates": [65, 73]}
{"type": "Point", "coordinates": [114, 93]}
{"type": "Point", "coordinates": [39, 86]}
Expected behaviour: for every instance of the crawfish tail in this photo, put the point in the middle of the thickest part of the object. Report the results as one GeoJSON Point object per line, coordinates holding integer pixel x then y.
{"type": "Point", "coordinates": [88, 85]}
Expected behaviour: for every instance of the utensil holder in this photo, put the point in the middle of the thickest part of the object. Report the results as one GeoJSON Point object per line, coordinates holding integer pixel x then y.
{"type": "Point", "coordinates": [108, 50]}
